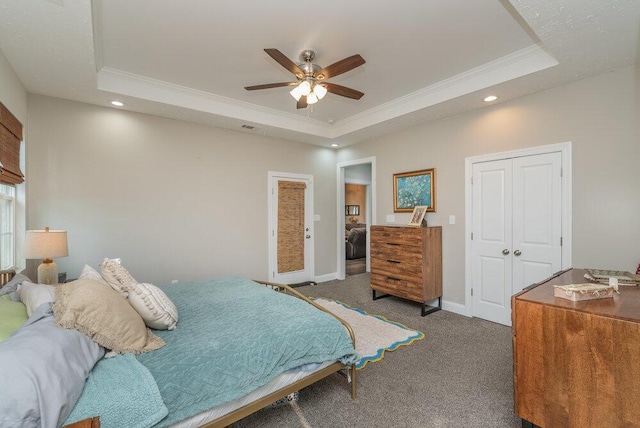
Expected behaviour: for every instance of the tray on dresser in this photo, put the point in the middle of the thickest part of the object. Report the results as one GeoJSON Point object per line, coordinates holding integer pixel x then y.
{"type": "Point", "coordinates": [602, 276]}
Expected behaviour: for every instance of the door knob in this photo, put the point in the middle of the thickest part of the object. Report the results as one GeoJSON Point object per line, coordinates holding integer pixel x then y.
{"type": "Point", "coordinates": [505, 252]}
{"type": "Point", "coordinates": [517, 253]}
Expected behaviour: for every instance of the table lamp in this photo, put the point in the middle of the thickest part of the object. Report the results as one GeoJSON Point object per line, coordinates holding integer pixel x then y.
{"type": "Point", "coordinates": [46, 244]}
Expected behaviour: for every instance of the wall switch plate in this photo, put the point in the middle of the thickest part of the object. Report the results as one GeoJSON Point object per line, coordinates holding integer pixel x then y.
{"type": "Point", "coordinates": [391, 218]}
{"type": "Point", "coordinates": [452, 219]}
{"type": "Point", "coordinates": [316, 217]}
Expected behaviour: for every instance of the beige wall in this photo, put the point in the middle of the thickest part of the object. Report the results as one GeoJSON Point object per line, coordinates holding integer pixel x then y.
{"type": "Point", "coordinates": [599, 115]}
{"type": "Point", "coordinates": [175, 200]}
{"type": "Point", "coordinates": [12, 92]}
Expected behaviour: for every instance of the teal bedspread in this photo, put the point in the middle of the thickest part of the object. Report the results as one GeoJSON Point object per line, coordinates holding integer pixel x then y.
{"type": "Point", "coordinates": [122, 392]}
{"type": "Point", "coordinates": [234, 336]}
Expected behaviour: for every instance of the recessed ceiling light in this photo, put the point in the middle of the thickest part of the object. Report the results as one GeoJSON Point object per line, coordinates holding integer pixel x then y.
{"type": "Point", "coordinates": [491, 98]}
{"type": "Point", "coordinates": [117, 103]}
{"type": "Point", "coordinates": [335, 145]}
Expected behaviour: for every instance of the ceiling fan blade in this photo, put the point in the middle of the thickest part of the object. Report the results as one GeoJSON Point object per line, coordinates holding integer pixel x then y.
{"type": "Point", "coordinates": [340, 67]}
{"type": "Point", "coordinates": [342, 90]}
{"type": "Point", "coordinates": [302, 102]}
{"type": "Point", "coordinates": [270, 85]}
{"type": "Point", "coordinates": [285, 62]}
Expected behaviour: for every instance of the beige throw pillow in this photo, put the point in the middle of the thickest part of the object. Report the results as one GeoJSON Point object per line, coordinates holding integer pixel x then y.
{"type": "Point", "coordinates": [90, 273]}
{"type": "Point", "coordinates": [100, 313]}
{"type": "Point", "coordinates": [154, 306]}
{"type": "Point", "coordinates": [117, 276]}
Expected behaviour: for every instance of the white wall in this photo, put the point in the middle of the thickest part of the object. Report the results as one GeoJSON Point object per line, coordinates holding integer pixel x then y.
{"type": "Point", "coordinates": [175, 200]}
{"type": "Point", "coordinates": [600, 115]}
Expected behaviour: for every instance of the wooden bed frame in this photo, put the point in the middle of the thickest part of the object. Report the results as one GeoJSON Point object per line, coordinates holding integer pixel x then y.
{"type": "Point", "coordinates": [263, 402]}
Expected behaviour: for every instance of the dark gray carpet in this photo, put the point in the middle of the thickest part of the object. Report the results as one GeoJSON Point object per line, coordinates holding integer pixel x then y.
{"type": "Point", "coordinates": [459, 375]}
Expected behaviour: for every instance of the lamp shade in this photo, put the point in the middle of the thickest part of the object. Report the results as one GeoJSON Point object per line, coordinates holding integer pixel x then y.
{"type": "Point", "coordinates": [45, 244]}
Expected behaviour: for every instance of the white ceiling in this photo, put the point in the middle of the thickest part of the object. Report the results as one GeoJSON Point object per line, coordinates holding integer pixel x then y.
{"type": "Point", "coordinates": [425, 60]}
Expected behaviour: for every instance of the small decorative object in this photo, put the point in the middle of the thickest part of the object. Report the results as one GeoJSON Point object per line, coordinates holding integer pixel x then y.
{"type": "Point", "coordinates": [603, 276]}
{"type": "Point", "coordinates": [353, 220]}
{"type": "Point", "coordinates": [417, 217]}
{"type": "Point", "coordinates": [578, 292]}
{"type": "Point", "coordinates": [352, 210]}
{"type": "Point", "coordinates": [415, 188]}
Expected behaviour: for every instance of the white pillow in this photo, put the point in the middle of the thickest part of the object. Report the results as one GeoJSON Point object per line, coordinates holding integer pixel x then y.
{"type": "Point", "coordinates": [154, 306]}
{"type": "Point", "coordinates": [117, 276]}
{"type": "Point", "coordinates": [33, 295]}
{"type": "Point", "coordinates": [90, 273]}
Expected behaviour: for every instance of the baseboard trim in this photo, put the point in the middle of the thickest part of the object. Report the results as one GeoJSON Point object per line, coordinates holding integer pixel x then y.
{"type": "Point", "coordinates": [456, 308]}
{"type": "Point", "coordinates": [327, 277]}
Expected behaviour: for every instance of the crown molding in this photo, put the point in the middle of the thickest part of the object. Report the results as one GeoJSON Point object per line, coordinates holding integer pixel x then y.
{"type": "Point", "coordinates": [517, 64]}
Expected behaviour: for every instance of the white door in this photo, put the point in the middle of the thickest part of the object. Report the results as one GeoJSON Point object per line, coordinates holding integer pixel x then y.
{"type": "Point", "coordinates": [492, 238]}
{"type": "Point", "coordinates": [291, 258]}
{"type": "Point", "coordinates": [517, 222]}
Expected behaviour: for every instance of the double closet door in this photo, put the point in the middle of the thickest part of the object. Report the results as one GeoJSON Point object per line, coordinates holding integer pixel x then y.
{"type": "Point", "coordinates": [517, 229]}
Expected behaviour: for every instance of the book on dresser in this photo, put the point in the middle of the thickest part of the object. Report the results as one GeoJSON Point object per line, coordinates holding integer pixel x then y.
{"type": "Point", "coordinates": [406, 262]}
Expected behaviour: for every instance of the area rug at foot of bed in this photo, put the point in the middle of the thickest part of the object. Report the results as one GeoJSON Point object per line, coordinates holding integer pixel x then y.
{"type": "Point", "coordinates": [374, 333]}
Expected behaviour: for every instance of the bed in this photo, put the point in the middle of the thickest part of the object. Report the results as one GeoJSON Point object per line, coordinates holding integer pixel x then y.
{"type": "Point", "coordinates": [239, 346]}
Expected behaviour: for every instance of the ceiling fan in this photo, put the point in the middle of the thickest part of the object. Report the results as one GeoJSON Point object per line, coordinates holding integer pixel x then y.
{"type": "Point", "coordinates": [311, 85]}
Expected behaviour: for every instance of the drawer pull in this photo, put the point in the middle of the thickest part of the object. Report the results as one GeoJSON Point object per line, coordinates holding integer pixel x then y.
{"type": "Point", "coordinates": [393, 261]}
{"type": "Point", "coordinates": [393, 244]}
{"type": "Point", "coordinates": [393, 279]}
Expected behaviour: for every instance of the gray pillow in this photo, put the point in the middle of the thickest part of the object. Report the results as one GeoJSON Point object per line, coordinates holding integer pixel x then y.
{"type": "Point", "coordinates": [11, 287]}
{"type": "Point", "coordinates": [43, 369]}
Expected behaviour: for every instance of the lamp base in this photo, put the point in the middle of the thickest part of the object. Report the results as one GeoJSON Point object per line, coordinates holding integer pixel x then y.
{"type": "Point", "coordinates": [48, 272]}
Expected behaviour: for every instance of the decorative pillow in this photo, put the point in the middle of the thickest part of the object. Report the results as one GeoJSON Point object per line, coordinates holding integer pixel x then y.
{"type": "Point", "coordinates": [33, 295]}
{"type": "Point", "coordinates": [100, 313]}
{"type": "Point", "coordinates": [117, 276]}
{"type": "Point", "coordinates": [11, 287]}
{"type": "Point", "coordinates": [12, 316]}
{"type": "Point", "coordinates": [154, 306]}
{"type": "Point", "coordinates": [90, 273]}
{"type": "Point", "coordinates": [43, 371]}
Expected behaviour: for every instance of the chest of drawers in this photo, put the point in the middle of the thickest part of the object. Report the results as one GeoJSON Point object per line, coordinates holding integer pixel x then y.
{"type": "Point", "coordinates": [406, 262]}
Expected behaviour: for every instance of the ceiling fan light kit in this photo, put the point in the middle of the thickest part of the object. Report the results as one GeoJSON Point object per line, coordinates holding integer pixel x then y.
{"type": "Point", "coordinates": [308, 89]}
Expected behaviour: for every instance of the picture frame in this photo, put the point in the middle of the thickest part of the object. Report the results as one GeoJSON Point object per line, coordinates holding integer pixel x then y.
{"type": "Point", "coordinates": [417, 216]}
{"type": "Point", "coordinates": [414, 188]}
{"type": "Point", "coordinates": [352, 210]}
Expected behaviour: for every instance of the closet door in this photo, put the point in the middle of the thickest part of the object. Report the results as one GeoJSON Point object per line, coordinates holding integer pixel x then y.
{"type": "Point", "coordinates": [517, 222]}
{"type": "Point", "coordinates": [537, 218]}
{"type": "Point", "coordinates": [491, 252]}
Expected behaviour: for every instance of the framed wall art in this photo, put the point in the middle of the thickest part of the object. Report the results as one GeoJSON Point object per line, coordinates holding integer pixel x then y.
{"type": "Point", "coordinates": [414, 188]}
{"type": "Point", "coordinates": [417, 217]}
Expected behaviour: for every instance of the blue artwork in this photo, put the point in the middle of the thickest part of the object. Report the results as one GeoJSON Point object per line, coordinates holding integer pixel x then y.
{"type": "Point", "coordinates": [414, 189]}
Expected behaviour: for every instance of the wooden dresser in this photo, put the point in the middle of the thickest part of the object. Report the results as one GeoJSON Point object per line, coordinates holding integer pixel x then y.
{"type": "Point", "coordinates": [576, 364]}
{"type": "Point", "coordinates": [407, 262]}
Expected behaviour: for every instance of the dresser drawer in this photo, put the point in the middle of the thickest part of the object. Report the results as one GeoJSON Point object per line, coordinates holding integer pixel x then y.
{"type": "Point", "coordinates": [386, 250]}
{"type": "Point", "coordinates": [397, 287]}
{"type": "Point", "coordinates": [392, 267]}
{"type": "Point", "coordinates": [405, 236]}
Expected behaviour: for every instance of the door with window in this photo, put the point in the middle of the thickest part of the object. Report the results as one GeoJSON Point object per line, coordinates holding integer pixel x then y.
{"type": "Point", "coordinates": [517, 229]}
{"type": "Point", "coordinates": [291, 228]}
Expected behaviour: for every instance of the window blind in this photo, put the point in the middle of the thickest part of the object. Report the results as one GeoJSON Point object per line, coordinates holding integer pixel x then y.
{"type": "Point", "coordinates": [10, 137]}
{"type": "Point", "coordinates": [290, 226]}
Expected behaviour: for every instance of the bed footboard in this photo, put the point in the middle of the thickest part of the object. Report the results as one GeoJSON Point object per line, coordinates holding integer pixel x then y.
{"type": "Point", "coordinates": [283, 288]}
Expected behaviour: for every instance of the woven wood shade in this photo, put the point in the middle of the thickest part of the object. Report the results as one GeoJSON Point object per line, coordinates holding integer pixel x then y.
{"type": "Point", "coordinates": [10, 136]}
{"type": "Point", "coordinates": [290, 226]}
